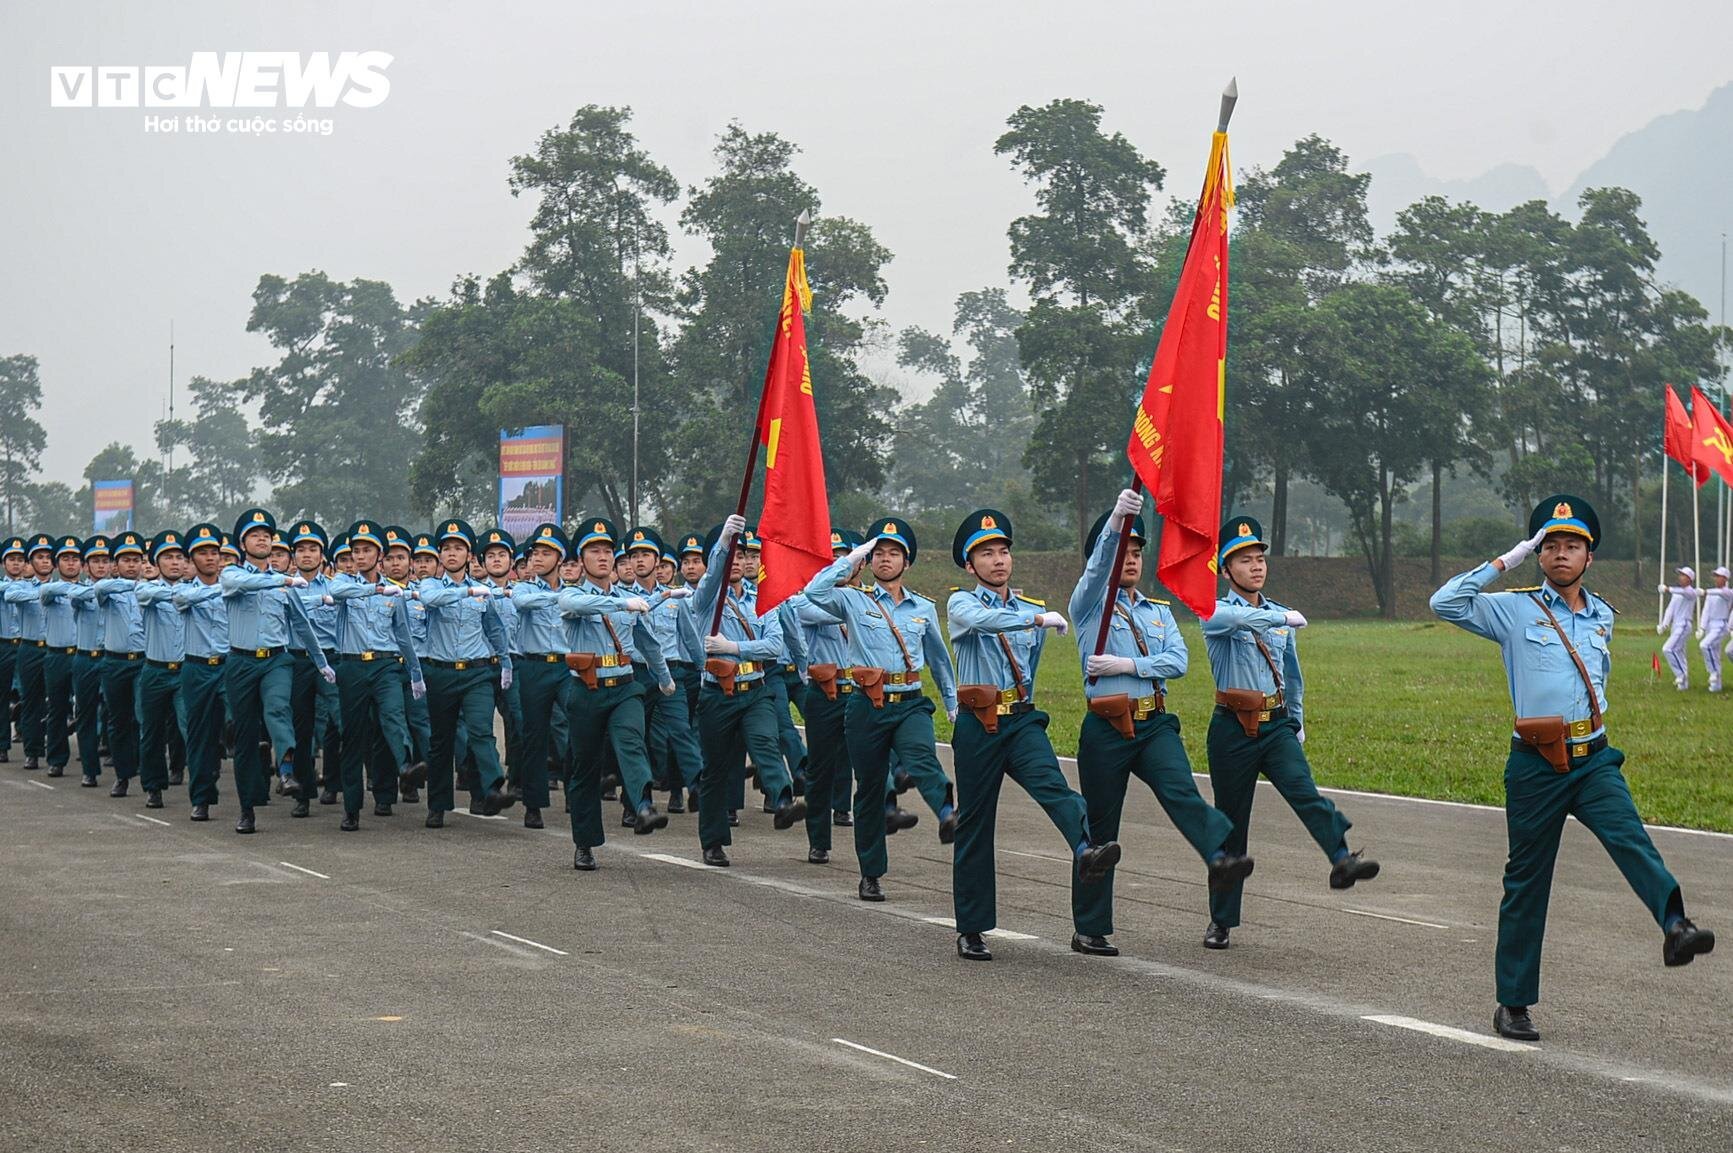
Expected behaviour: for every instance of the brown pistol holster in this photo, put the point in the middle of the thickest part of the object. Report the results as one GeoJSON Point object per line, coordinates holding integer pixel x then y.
{"type": "Point", "coordinates": [723, 671]}
{"type": "Point", "coordinates": [824, 676]}
{"type": "Point", "coordinates": [1245, 704]}
{"type": "Point", "coordinates": [584, 664]}
{"type": "Point", "coordinates": [1116, 709]}
{"type": "Point", "coordinates": [1546, 736]}
{"type": "Point", "coordinates": [983, 701]}
{"type": "Point", "coordinates": [872, 683]}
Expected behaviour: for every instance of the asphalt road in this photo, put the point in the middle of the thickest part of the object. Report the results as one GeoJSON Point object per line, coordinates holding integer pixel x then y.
{"type": "Point", "coordinates": [172, 986]}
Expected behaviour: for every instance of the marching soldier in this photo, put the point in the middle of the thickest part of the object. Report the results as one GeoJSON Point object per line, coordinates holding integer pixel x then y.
{"type": "Point", "coordinates": [1712, 632]}
{"type": "Point", "coordinates": [87, 664]}
{"type": "Point", "coordinates": [466, 643]}
{"type": "Point", "coordinates": [829, 687]}
{"type": "Point", "coordinates": [26, 596]}
{"type": "Point", "coordinates": [1556, 638]}
{"type": "Point", "coordinates": [674, 748]}
{"type": "Point", "coordinates": [204, 641]}
{"type": "Point", "coordinates": [999, 733]}
{"type": "Point", "coordinates": [399, 560]}
{"type": "Point", "coordinates": [312, 695]}
{"type": "Point", "coordinates": [13, 564]}
{"type": "Point", "coordinates": [892, 641]}
{"type": "Point", "coordinates": [424, 561]}
{"type": "Point", "coordinates": [1128, 730]}
{"type": "Point", "coordinates": [735, 713]}
{"type": "Point", "coordinates": [343, 560]}
{"type": "Point", "coordinates": [1258, 725]}
{"type": "Point", "coordinates": [123, 662]}
{"type": "Point", "coordinates": [373, 635]}
{"type": "Point", "coordinates": [783, 679]}
{"type": "Point", "coordinates": [498, 550]}
{"type": "Point", "coordinates": [543, 682]}
{"type": "Point", "coordinates": [263, 614]}
{"type": "Point", "coordinates": [60, 631]}
{"type": "Point", "coordinates": [1676, 624]}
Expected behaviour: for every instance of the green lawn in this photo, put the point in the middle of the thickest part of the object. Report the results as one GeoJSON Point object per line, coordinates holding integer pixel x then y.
{"type": "Point", "coordinates": [1420, 709]}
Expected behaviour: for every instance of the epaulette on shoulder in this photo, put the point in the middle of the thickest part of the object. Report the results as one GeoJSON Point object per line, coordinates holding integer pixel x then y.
{"type": "Point", "coordinates": [1158, 601]}
{"type": "Point", "coordinates": [1525, 589]}
{"type": "Point", "coordinates": [1031, 601]}
{"type": "Point", "coordinates": [1606, 602]}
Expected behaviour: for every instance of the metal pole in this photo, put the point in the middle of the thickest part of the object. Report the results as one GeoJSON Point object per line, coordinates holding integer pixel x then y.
{"type": "Point", "coordinates": [169, 478]}
{"type": "Point", "coordinates": [637, 311]}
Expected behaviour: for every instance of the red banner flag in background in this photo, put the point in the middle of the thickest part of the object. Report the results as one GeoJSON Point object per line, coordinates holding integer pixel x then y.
{"type": "Point", "coordinates": [795, 525]}
{"type": "Point", "coordinates": [1176, 440]}
{"type": "Point", "coordinates": [1712, 439]}
{"type": "Point", "coordinates": [1680, 436]}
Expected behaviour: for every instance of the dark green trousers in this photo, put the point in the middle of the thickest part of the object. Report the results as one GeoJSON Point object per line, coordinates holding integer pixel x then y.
{"type": "Point", "coordinates": [1155, 755]}
{"type": "Point", "coordinates": [420, 725]}
{"type": "Point", "coordinates": [120, 679]}
{"type": "Point", "coordinates": [57, 686]}
{"type": "Point", "coordinates": [373, 727]}
{"type": "Point", "coordinates": [903, 728]}
{"type": "Point", "coordinates": [306, 686]}
{"type": "Point", "coordinates": [260, 690]}
{"type": "Point", "coordinates": [600, 720]}
{"type": "Point", "coordinates": [731, 728]}
{"type": "Point", "coordinates": [159, 713]}
{"type": "Point", "coordinates": [1537, 799]}
{"type": "Point", "coordinates": [32, 696]}
{"type": "Point", "coordinates": [542, 687]}
{"type": "Point", "coordinates": [201, 693]}
{"type": "Point", "coordinates": [828, 759]}
{"type": "Point", "coordinates": [465, 695]}
{"type": "Point", "coordinates": [509, 704]}
{"type": "Point", "coordinates": [1235, 761]}
{"type": "Point", "coordinates": [1019, 750]}
{"type": "Point", "coordinates": [673, 739]}
{"type": "Point", "coordinates": [87, 710]}
{"type": "Point", "coordinates": [785, 687]}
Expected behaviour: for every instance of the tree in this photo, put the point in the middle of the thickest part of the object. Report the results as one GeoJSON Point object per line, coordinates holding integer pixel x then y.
{"type": "Point", "coordinates": [22, 438]}
{"type": "Point", "coordinates": [1082, 255]}
{"type": "Point", "coordinates": [53, 508]}
{"type": "Point", "coordinates": [337, 411]}
{"type": "Point", "coordinates": [216, 469]}
{"type": "Point", "coordinates": [745, 213]}
{"type": "Point", "coordinates": [116, 461]}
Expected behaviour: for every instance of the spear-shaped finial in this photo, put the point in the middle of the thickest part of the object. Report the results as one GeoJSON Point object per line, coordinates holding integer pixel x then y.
{"type": "Point", "coordinates": [801, 224]}
{"type": "Point", "coordinates": [1229, 94]}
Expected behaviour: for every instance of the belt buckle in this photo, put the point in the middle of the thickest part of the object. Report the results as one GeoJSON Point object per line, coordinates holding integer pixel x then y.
{"type": "Point", "coordinates": [1581, 728]}
{"type": "Point", "coordinates": [1003, 709]}
{"type": "Point", "coordinates": [1263, 716]}
{"type": "Point", "coordinates": [261, 653]}
{"type": "Point", "coordinates": [1007, 696]}
{"type": "Point", "coordinates": [552, 658]}
{"type": "Point", "coordinates": [745, 667]}
{"type": "Point", "coordinates": [367, 656]}
{"type": "Point", "coordinates": [174, 666]}
{"type": "Point", "coordinates": [1142, 708]}
{"type": "Point", "coordinates": [1580, 751]}
{"type": "Point", "coordinates": [610, 660]}
{"type": "Point", "coordinates": [213, 662]}
{"type": "Point", "coordinates": [1272, 701]}
{"type": "Point", "coordinates": [842, 688]}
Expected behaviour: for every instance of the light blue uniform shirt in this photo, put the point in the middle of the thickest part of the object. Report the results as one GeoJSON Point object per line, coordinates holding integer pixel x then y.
{"type": "Point", "coordinates": [122, 619]}
{"type": "Point", "coordinates": [321, 616]}
{"type": "Point", "coordinates": [60, 630]}
{"type": "Point", "coordinates": [164, 621]}
{"type": "Point", "coordinates": [540, 628]}
{"type": "Point", "coordinates": [978, 618]}
{"type": "Point", "coordinates": [671, 623]}
{"type": "Point", "coordinates": [263, 611]}
{"type": "Point", "coordinates": [26, 596]}
{"type": "Point", "coordinates": [586, 608]}
{"type": "Point", "coordinates": [86, 616]}
{"type": "Point", "coordinates": [417, 619]}
{"type": "Point", "coordinates": [870, 640]}
{"type": "Point", "coordinates": [507, 609]}
{"type": "Point", "coordinates": [1134, 616]}
{"type": "Point", "coordinates": [370, 623]}
{"type": "Point", "coordinates": [1229, 636]}
{"type": "Point", "coordinates": [460, 625]}
{"type": "Point", "coordinates": [764, 646]}
{"type": "Point", "coordinates": [8, 612]}
{"type": "Point", "coordinates": [822, 635]}
{"type": "Point", "coordinates": [206, 623]}
{"type": "Point", "coordinates": [1544, 681]}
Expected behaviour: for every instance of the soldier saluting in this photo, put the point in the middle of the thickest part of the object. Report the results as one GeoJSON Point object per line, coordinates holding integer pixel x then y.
{"type": "Point", "coordinates": [1556, 638]}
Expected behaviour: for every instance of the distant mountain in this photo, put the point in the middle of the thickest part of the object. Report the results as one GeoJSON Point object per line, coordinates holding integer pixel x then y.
{"type": "Point", "coordinates": [1681, 165]}
{"type": "Point", "coordinates": [1398, 181]}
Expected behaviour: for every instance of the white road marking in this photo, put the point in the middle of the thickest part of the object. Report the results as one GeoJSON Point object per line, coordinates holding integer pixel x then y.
{"type": "Point", "coordinates": [152, 820]}
{"type": "Point", "coordinates": [897, 1059]}
{"type": "Point", "coordinates": [478, 816]}
{"type": "Point", "coordinates": [299, 869]}
{"type": "Point", "coordinates": [43, 785]}
{"type": "Point", "coordinates": [530, 943]}
{"type": "Point", "coordinates": [507, 946]}
{"type": "Point", "coordinates": [1002, 934]}
{"type": "Point", "coordinates": [339, 1084]}
{"type": "Point", "coordinates": [1451, 1033]}
{"type": "Point", "coordinates": [670, 859]}
{"type": "Point", "coordinates": [1388, 917]}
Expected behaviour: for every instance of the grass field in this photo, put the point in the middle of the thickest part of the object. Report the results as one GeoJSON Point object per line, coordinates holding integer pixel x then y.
{"type": "Point", "coordinates": [1420, 709]}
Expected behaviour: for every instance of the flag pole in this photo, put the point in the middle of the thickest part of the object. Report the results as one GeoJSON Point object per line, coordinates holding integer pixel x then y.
{"type": "Point", "coordinates": [801, 224]}
{"type": "Point", "coordinates": [1230, 95]}
{"type": "Point", "coordinates": [1661, 597]}
{"type": "Point", "coordinates": [1696, 555]}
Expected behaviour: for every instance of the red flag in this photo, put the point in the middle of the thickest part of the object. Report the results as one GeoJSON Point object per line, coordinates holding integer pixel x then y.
{"type": "Point", "coordinates": [1680, 435]}
{"type": "Point", "coordinates": [795, 525]}
{"type": "Point", "coordinates": [1712, 437]}
{"type": "Point", "coordinates": [1176, 440]}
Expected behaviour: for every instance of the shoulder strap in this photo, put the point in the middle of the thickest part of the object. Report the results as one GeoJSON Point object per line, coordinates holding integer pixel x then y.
{"type": "Point", "coordinates": [1136, 633]}
{"type": "Point", "coordinates": [1264, 651]}
{"type": "Point", "coordinates": [1582, 669]}
{"type": "Point", "coordinates": [908, 660]}
{"type": "Point", "coordinates": [740, 615]}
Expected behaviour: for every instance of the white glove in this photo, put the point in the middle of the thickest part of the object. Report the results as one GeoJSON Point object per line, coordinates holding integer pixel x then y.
{"type": "Point", "coordinates": [387, 589]}
{"type": "Point", "coordinates": [1104, 665]}
{"type": "Point", "coordinates": [1660, 630]}
{"type": "Point", "coordinates": [505, 678]}
{"type": "Point", "coordinates": [1699, 632]}
{"type": "Point", "coordinates": [328, 599]}
{"type": "Point", "coordinates": [667, 688]}
{"type": "Point", "coordinates": [952, 714]}
{"type": "Point", "coordinates": [1295, 620]}
{"type": "Point", "coordinates": [718, 645]}
{"type": "Point", "coordinates": [861, 552]}
{"type": "Point", "coordinates": [1660, 588]}
{"type": "Point", "coordinates": [1129, 504]}
{"type": "Point", "coordinates": [733, 527]}
{"type": "Point", "coordinates": [418, 689]}
{"type": "Point", "coordinates": [480, 591]}
{"type": "Point", "coordinates": [295, 581]}
{"type": "Point", "coordinates": [1521, 551]}
{"type": "Point", "coordinates": [1300, 734]}
{"type": "Point", "coordinates": [1052, 621]}
{"type": "Point", "coordinates": [677, 594]}
{"type": "Point", "coordinates": [330, 674]}
{"type": "Point", "coordinates": [636, 605]}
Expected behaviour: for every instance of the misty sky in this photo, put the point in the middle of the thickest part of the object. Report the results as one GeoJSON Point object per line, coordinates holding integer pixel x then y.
{"type": "Point", "coordinates": [110, 232]}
